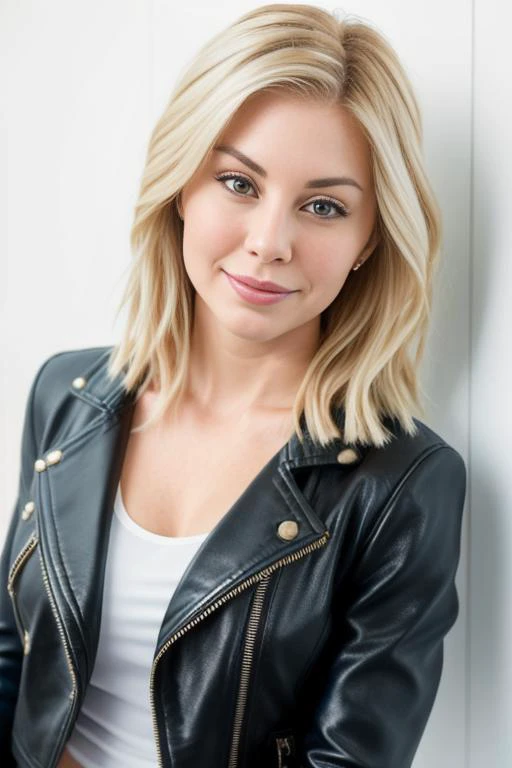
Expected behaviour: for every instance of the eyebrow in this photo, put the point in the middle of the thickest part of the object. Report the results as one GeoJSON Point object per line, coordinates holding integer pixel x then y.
{"type": "Point", "coordinates": [327, 182]}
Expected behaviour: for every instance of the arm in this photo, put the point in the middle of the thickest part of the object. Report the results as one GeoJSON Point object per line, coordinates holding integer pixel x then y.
{"type": "Point", "coordinates": [384, 657]}
{"type": "Point", "coordinates": [11, 651]}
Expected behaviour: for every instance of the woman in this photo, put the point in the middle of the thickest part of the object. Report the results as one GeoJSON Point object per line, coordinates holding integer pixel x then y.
{"type": "Point", "coordinates": [233, 543]}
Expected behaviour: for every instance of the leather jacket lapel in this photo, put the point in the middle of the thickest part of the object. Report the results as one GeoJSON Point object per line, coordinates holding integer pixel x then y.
{"type": "Point", "coordinates": [245, 543]}
{"type": "Point", "coordinates": [75, 501]}
{"type": "Point", "coordinates": [75, 497]}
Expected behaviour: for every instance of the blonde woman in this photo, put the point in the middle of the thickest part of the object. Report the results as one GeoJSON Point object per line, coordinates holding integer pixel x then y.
{"type": "Point", "coordinates": [235, 542]}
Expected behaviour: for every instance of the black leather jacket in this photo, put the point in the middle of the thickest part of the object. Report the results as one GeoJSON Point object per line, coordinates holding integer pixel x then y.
{"type": "Point", "coordinates": [307, 630]}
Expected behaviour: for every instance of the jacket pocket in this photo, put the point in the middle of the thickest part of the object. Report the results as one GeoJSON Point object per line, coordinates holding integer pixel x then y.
{"type": "Point", "coordinates": [14, 574]}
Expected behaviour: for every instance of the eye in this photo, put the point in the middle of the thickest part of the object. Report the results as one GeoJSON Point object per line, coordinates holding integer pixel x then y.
{"type": "Point", "coordinates": [339, 209]}
{"type": "Point", "coordinates": [326, 201]}
{"type": "Point", "coordinates": [237, 177]}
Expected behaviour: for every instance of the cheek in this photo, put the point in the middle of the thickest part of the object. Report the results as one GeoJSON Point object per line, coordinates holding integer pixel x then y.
{"type": "Point", "coordinates": [327, 268]}
{"type": "Point", "coordinates": [207, 234]}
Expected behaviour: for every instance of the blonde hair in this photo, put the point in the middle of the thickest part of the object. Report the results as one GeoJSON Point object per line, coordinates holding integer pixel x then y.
{"type": "Point", "coordinates": [363, 362]}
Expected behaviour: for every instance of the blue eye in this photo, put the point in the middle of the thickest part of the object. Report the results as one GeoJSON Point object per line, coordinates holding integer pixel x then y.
{"type": "Point", "coordinates": [326, 201]}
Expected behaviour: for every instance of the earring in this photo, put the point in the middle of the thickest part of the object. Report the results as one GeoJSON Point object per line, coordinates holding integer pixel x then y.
{"type": "Point", "coordinates": [357, 266]}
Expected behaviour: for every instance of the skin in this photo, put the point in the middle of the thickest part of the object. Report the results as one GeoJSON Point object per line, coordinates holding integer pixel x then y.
{"type": "Point", "coordinates": [249, 359]}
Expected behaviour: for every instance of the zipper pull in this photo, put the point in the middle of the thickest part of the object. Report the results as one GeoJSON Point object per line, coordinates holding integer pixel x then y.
{"type": "Point", "coordinates": [284, 749]}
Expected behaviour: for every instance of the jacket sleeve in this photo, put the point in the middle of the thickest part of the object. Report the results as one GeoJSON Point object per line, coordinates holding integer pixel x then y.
{"type": "Point", "coordinates": [11, 652]}
{"type": "Point", "coordinates": [385, 653]}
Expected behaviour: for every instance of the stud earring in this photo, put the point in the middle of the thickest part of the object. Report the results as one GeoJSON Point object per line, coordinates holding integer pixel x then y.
{"type": "Point", "coordinates": [357, 266]}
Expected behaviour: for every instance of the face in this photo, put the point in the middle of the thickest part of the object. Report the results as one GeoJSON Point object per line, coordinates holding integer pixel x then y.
{"type": "Point", "coordinates": [259, 208]}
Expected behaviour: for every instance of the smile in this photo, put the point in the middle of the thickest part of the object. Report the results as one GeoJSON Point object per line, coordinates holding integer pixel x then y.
{"type": "Point", "coordinates": [255, 295]}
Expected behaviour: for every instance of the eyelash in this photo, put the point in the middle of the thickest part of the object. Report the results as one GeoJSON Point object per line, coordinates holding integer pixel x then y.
{"type": "Point", "coordinates": [341, 210]}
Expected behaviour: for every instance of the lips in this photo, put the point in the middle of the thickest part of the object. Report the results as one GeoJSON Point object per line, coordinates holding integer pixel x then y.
{"type": "Point", "coordinates": [261, 285]}
{"type": "Point", "coordinates": [255, 295]}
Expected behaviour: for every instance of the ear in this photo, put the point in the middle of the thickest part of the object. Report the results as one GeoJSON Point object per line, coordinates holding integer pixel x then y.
{"type": "Point", "coordinates": [179, 206]}
{"type": "Point", "coordinates": [370, 246]}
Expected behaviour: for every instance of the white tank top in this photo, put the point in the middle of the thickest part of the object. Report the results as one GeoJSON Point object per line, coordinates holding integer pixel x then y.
{"type": "Point", "coordinates": [115, 727]}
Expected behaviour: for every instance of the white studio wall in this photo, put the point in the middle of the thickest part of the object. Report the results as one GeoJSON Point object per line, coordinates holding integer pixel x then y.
{"type": "Point", "coordinates": [85, 85]}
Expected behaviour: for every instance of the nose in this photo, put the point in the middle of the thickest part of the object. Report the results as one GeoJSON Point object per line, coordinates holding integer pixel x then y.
{"type": "Point", "coordinates": [269, 234]}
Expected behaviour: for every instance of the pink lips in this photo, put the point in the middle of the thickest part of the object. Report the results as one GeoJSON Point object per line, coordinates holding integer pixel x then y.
{"type": "Point", "coordinates": [256, 295]}
{"type": "Point", "coordinates": [262, 285]}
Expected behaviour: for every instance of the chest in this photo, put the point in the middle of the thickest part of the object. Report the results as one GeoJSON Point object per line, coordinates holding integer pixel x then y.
{"type": "Point", "coordinates": [182, 479]}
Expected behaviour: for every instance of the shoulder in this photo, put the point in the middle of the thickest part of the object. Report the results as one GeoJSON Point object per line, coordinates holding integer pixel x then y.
{"type": "Point", "coordinates": [406, 454]}
{"type": "Point", "coordinates": [415, 481]}
{"type": "Point", "coordinates": [55, 381]}
{"type": "Point", "coordinates": [52, 408]}
{"type": "Point", "coordinates": [60, 366]}
{"type": "Point", "coordinates": [411, 472]}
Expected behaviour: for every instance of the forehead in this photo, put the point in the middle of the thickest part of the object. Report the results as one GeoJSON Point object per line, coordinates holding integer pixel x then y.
{"type": "Point", "coordinates": [277, 104]}
{"type": "Point", "coordinates": [324, 136]}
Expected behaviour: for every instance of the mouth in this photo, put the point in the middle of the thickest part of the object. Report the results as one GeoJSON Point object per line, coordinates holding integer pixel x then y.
{"type": "Point", "coordinates": [264, 286]}
{"type": "Point", "coordinates": [256, 295]}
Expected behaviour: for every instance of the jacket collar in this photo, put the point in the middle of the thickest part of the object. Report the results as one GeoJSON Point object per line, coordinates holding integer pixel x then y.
{"type": "Point", "coordinates": [75, 498]}
{"type": "Point", "coordinates": [110, 396]}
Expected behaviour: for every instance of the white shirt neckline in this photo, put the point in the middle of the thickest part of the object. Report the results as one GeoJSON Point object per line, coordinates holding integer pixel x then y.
{"type": "Point", "coordinates": [143, 533]}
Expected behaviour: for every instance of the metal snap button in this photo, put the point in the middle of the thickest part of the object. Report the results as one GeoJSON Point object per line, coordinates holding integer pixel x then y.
{"type": "Point", "coordinates": [54, 457]}
{"type": "Point", "coordinates": [347, 456]}
{"type": "Point", "coordinates": [27, 510]}
{"type": "Point", "coordinates": [287, 530]}
{"type": "Point", "coordinates": [79, 382]}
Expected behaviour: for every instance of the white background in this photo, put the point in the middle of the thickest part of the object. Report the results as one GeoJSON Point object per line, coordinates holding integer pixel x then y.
{"type": "Point", "coordinates": [86, 83]}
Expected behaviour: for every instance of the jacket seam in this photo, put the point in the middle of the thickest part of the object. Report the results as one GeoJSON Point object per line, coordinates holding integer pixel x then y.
{"type": "Point", "coordinates": [76, 439]}
{"type": "Point", "coordinates": [91, 399]}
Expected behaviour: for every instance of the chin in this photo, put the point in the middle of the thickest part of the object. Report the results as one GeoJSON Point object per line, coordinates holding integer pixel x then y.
{"type": "Point", "coordinates": [255, 329]}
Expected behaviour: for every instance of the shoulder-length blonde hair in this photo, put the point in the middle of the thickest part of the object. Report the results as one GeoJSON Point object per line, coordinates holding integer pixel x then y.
{"type": "Point", "coordinates": [363, 362]}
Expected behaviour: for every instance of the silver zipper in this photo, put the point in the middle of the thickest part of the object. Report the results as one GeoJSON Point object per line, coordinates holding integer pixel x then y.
{"type": "Point", "coordinates": [252, 627]}
{"type": "Point", "coordinates": [266, 572]}
{"type": "Point", "coordinates": [25, 553]}
{"type": "Point", "coordinates": [15, 568]}
{"type": "Point", "coordinates": [60, 629]}
{"type": "Point", "coordinates": [73, 692]}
